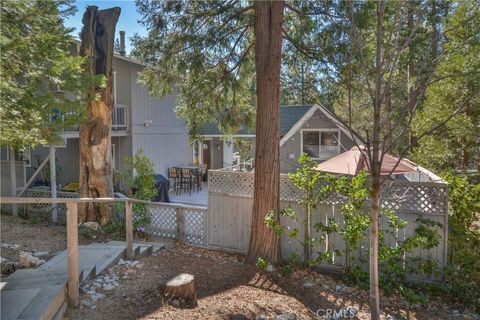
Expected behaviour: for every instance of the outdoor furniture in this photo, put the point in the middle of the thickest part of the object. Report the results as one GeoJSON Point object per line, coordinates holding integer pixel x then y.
{"type": "Point", "coordinates": [162, 185]}
{"type": "Point", "coordinates": [186, 179]}
{"type": "Point", "coordinates": [174, 177]}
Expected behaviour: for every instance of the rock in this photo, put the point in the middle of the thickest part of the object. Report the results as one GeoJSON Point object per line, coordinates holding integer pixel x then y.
{"type": "Point", "coordinates": [108, 287]}
{"type": "Point", "coordinates": [91, 292]}
{"type": "Point", "coordinates": [261, 317]}
{"type": "Point", "coordinates": [338, 288]}
{"type": "Point", "coordinates": [97, 284]}
{"type": "Point", "coordinates": [176, 302]}
{"type": "Point", "coordinates": [40, 254]}
{"type": "Point", "coordinates": [87, 303]}
{"type": "Point", "coordinates": [40, 262]}
{"type": "Point", "coordinates": [308, 284]}
{"type": "Point", "coordinates": [26, 260]}
{"type": "Point", "coordinates": [91, 225]}
{"type": "Point", "coordinates": [6, 245]}
{"type": "Point", "coordinates": [286, 316]}
{"type": "Point", "coordinates": [134, 263]}
{"type": "Point", "coordinates": [15, 247]}
{"type": "Point", "coordinates": [270, 268]}
{"type": "Point", "coordinates": [456, 313]}
{"type": "Point", "coordinates": [122, 262]}
{"type": "Point", "coordinates": [2, 259]}
{"type": "Point", "coordinates": [84, 290]}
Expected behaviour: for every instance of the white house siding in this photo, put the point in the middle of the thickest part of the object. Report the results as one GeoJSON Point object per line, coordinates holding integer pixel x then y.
{"type": "Point", "coordinates": [293, 145]}
{"type": "Point", "coordinates": [165, 139]}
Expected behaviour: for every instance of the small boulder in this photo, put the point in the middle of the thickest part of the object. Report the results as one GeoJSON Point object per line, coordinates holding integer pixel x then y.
{"type": "Point", "coordinates": [307, 284]}
{"type": "Point", "coordinates": [91, 225]}
{"type": "Point", "coordinates": [40, 254]}
{"type": "Point", "coordinates": [26, 260]}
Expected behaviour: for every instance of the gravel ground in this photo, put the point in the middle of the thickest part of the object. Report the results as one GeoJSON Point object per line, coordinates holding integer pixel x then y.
{"type": "Point", "coordinates": [229, 289]}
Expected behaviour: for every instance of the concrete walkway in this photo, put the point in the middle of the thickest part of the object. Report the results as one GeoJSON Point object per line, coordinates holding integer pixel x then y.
{"type": "Point", "coordinates": [41, 293]}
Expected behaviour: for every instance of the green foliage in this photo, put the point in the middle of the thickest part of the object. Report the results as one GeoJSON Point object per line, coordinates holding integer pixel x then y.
{"type": "Point", "coordinates": [262, 263]}
{"type": "Point", "coordinates": [455, 145]}
{"type": "Point", "coordinates": [463, 272]}
{"type": "Point", "coordinates": [36, 63]}
{"type": "Point", "coordinates": [139, 174]}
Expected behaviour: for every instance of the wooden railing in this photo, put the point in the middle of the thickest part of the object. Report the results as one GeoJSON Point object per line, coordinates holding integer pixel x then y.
{"type": "Point", "coordinates": [72, 228]}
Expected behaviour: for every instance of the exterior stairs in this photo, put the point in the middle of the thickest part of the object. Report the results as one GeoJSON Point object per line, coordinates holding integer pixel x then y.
{"type": "Point", "coordinates": [41, 293]}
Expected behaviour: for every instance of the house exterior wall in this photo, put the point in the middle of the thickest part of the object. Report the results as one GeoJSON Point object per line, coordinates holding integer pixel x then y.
{"type": "Point", "coordinates": [67, 161]}
{"type": "Point", "coordinates": [293, 145]}
{"type": "Point", "coordinates": [217, 153]}
{"type": "Point", "coordinates": [165, 140]}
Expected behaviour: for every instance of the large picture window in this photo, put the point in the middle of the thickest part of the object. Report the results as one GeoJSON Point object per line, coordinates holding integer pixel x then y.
{"type": "Point", "coordinates": [320, 144]}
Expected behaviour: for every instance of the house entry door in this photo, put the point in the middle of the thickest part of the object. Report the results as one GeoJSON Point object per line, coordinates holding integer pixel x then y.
{"type": "Point", "coordinates": [206, 153]}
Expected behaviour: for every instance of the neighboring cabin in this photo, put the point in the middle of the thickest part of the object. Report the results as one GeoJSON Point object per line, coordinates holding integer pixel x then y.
{"type": "Point", "coordinates": [303, 129]}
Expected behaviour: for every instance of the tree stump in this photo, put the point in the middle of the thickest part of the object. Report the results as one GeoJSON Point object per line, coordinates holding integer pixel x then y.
{"type": "Point", "coordinates": [182, 287]}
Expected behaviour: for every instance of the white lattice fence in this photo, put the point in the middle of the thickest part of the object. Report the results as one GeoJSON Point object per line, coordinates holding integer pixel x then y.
{"type": "Point", "coordinates": [175, 221]}
{"type": "Point", "coordinates": [231, 201]}
{"type": "Point", "coordinates": [45, 207]}
{"type": "Point", "coordinates": [405, 196]}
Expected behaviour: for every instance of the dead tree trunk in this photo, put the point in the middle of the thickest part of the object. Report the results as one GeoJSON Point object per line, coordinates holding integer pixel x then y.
{"type": "Point", "coordinates": [96, 178]}
{"type": "Point", "coordinates": [268, 43]}
{"type": "Point", "coordinates": [182, 287]}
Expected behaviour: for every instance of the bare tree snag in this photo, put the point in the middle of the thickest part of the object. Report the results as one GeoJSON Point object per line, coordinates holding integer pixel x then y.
{"type": "Point", "coordinates": [182, 287]}
{"type": "Point", "coordinates": [268, 43]}
{"type": "Point", "coordinates": [96, 179]}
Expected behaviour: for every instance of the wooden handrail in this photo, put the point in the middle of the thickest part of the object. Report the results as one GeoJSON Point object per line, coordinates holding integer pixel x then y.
{"type": "Point", "coordinates": [17, 200]}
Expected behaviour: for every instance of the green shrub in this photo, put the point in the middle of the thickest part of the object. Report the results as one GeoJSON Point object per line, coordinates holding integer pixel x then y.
{"type": "Point", "coordinates": [139, 175]}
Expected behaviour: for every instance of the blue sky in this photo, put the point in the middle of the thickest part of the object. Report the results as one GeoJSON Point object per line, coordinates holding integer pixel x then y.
{"type": "Point", "coordinates": [127, 22]}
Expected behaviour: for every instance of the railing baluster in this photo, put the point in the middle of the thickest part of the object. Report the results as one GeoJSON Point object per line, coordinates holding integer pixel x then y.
{"type": "Point", "coordinates": [129, 229]}
{"type": "Point", "coordinates": [72, 252]}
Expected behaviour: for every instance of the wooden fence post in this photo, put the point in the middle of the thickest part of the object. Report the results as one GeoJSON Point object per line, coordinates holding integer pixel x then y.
{"type": "Point", "coordinates": [180, 224]}
{"type": "Point", "coordinates": [129, 229]}
{"type": "Point", "coordinates": [72, 251]}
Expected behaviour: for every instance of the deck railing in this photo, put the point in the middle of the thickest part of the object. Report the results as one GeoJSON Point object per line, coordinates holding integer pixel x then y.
{"type": "Point", "coordinates": [187, 225]}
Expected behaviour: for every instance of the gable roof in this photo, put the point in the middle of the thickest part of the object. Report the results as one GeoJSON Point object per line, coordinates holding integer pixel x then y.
{"type": "Point", "coordinates": [292, 119]}
{"type": "Point", "coordinates": [330, 115]}
{"type": "Point", "coordinates": [289, 115]}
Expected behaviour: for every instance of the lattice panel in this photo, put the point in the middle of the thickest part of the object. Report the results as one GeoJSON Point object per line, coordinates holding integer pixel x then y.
{"type": "Point", "coordinates": [163, 221]}
{"type": "Point", "coordinates": [415, 197]}
{"type": "Point", "coordinates": [195, 226]}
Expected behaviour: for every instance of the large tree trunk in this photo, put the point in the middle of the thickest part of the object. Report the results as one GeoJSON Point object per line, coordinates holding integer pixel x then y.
{"type": "Point", "coordinates": [96, 180]}
{"type": "Point", "coordinates": [268, 43]}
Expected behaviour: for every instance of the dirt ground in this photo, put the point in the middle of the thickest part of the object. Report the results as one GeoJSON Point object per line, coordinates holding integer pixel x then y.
{"type": "Point", "coordinates": [229, 289]}
{"type": "Point", "coordinates": [226, 287]}
{"type": "Point", "coordinates": [31, 236]}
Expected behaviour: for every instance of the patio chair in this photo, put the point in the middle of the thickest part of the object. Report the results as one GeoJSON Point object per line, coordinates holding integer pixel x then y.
{"type": "Point", "coordinates": [186, 179]}
{"type": "Point", "coordinates": [174, 177]}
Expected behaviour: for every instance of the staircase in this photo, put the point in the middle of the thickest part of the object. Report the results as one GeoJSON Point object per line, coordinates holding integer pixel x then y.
{"type": "Point", "coordinates": [41, 293]}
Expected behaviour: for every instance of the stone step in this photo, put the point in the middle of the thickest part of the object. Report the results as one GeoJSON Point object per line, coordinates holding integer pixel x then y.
{"type": "Point", "coordinates": [41, 293]}
{"type": "Point", "coordinates": [33, 303]}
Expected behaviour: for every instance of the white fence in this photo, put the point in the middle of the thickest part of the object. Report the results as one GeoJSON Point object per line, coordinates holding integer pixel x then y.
{"type": "Point", "coordinates": [168, 220]}
{"type": "Point", "coordinates": [230, 205]}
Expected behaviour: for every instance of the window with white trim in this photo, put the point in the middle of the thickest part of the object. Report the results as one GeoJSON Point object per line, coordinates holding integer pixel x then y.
{"type": "Point", "coordinates": [320, 144]}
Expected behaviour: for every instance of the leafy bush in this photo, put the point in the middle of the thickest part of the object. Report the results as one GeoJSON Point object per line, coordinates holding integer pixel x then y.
{"type": "Point", "coordinates": [463, 270]}
{"type": "Point", "coordinates": [139, 175]}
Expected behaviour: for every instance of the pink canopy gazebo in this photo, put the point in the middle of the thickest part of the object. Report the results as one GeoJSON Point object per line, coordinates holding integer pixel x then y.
{"type": "Point", "coordinates": [355, 160]}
